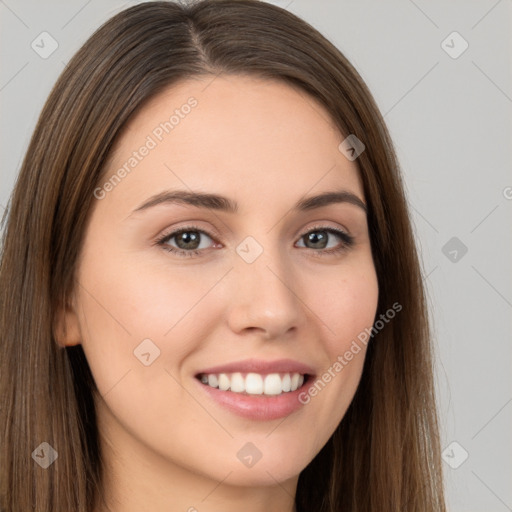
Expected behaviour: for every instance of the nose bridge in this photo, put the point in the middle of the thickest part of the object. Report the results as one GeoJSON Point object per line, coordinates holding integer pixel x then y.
{"type": "Point", "coordinates": [264, 295]}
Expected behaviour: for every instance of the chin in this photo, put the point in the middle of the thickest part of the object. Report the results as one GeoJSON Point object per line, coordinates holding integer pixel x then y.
{"type": "Point", "coordinates": [279, 466]}
{"type": "Point", "coordinates": [262, 476]}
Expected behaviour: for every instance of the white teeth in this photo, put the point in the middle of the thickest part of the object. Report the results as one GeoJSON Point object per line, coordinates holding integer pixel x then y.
{"type": "Point", "coordinates": [224, 382]}
{"type": "Point", "coordinates": [212, 381]}
{"type": "Point", "coordinates": [254, 383]}
{"type": "Point", "coordinates": [272, 384]}
{"type": "Point", "coordinates": [237, 383]}
{"type": "Point", "coordinates": [295, 381]}
{"type": "Point", "coordinates": [287, 382]}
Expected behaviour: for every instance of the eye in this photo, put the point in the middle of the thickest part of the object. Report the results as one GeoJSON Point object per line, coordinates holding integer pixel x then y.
{"type": "Point", "coordinates": [319, 238]}
{"type": "Point", "coordinates": [189, 241]}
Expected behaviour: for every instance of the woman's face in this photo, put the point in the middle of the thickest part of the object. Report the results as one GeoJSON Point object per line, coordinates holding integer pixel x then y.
{"type": "Point", "coordinates": [170, 291]}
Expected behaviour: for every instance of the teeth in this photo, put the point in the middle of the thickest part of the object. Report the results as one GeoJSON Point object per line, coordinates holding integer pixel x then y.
{"type": "Point", "coordinates": [254, 383]}
{"type": "Point", "coordinates": [272, 385]}
{"type": "Point", "coordinates": [224, 382]}
{"type": "Point", "coordinates": [287, 382]}
{"type": "Point", "coordinates": [237, 383]}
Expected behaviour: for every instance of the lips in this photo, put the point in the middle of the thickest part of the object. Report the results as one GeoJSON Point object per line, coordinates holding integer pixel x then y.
{"type": "Point", "coordinates": [257, 389]}
{"type": "Point", "coordinates": [260, 366]}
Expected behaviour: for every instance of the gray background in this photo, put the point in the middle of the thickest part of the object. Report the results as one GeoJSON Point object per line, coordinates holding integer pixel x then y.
{"type": "Point", "coordinates": [450, 119]}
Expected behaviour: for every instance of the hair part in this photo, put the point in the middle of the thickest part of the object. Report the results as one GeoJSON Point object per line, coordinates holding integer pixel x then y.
{"type": "Point", "coordinates": [385, 454]}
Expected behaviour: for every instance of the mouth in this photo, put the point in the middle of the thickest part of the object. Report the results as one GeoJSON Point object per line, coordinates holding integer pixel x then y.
{"type": "Point", "coordinates": [257, 389]}
{"type": "Point", "coordinates": [255, 384]}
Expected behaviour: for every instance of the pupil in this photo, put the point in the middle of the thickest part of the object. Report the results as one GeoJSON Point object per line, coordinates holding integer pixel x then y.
{"type": "Point", "coordinates": [313, 237]}
{"type": "Point", "coordinates": [187, 239]}
{"type": "Point", "coordinates": [316, 238]}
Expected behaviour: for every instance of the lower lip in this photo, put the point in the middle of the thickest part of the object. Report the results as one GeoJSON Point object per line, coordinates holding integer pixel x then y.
{"type": "Point", "coordinates": [257, 407]}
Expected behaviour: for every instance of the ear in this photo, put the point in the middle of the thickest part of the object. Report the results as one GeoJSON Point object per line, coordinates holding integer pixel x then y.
{"type": "Point", "coordinates": [66, 326]}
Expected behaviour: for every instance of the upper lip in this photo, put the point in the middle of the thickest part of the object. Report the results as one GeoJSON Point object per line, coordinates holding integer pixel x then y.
{"type": "Point", "coordinates": [261, 366]}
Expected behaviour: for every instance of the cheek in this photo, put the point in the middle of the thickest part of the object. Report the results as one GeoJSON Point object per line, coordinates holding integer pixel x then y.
{"type": "Point", "coordinates": [347, 308]}
{"type": "Point", "coordinates": [124, 303]}
{"type": "Point", "coordinates": [129, 299]}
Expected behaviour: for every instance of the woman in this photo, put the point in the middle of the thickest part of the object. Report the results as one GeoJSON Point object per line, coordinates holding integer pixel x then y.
{"type": "Point", "coordinates": [211, 296]}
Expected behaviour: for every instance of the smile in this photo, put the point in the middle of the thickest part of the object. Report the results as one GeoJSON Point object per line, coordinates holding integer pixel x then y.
{"type": "Point", "coordinates": [254, 383]}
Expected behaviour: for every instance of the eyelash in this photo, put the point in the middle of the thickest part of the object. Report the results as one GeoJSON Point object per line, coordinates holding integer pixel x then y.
{"type": "Point", "coordinates": [347, 241]}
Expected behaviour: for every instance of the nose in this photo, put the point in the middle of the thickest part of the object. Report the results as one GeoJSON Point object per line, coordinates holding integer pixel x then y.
{"type": "Point", "coordinates": [265, 296]}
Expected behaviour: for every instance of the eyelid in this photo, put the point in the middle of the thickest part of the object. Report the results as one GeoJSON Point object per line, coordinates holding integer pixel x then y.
{"type": "Point", "coordinates": [325, 227]}
{"type": "Point", "coordinates": [169, 233]}
{"type": "Point", "coordinates": [347, 240]}
{"type": "Point", "coordinates": [215, 234]}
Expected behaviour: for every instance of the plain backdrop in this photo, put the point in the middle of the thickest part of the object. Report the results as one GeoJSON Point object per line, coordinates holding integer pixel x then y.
{"type": "Point", "coordinates": [441, 75]}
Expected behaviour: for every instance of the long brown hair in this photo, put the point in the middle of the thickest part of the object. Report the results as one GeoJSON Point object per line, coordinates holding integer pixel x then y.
{"type": "Point", "coordinates": [385, 454]}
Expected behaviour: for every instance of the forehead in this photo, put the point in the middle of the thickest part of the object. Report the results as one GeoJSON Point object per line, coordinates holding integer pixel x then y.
{"type": "Point", "coordinates": [233, 133]}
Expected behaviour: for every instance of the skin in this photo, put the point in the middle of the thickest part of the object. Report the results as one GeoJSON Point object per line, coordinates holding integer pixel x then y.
{"type": "Point", "coordinates": [166, 445]}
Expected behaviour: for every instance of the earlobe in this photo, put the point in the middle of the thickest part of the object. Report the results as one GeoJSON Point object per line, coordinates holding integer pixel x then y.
{"type": "Point", "coordinates": [66, 328]}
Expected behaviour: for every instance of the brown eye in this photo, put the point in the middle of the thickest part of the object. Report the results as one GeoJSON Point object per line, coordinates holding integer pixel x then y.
{"type": "Point", "coordinates": [186, 241]}
{"type": "Point", "coordinates": [319, 238]}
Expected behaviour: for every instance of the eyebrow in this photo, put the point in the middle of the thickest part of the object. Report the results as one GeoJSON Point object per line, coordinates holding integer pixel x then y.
{"type": "Point", "coordinates": [221, 203]}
